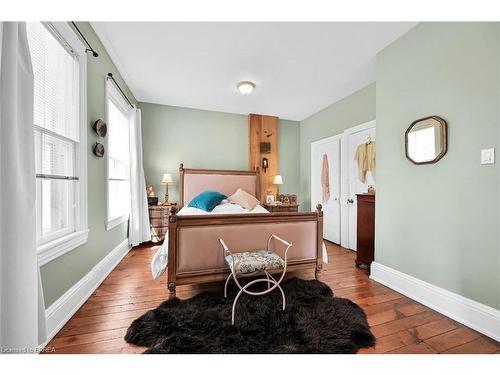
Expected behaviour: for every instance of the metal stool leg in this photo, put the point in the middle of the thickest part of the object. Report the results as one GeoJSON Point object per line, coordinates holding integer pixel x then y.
{"type": "Point", "coordinates": [269, 279]}
{"type": "Point", "coordinates": [244, 290]}
{"type": "Point", "coordinates": [225, 285]}
{"type": "Point", "coordinates": [234, 305]}
{"type": "Point", "coordinates": [283, 295]}
{"type": "Point", "coordinates": [268, 282]}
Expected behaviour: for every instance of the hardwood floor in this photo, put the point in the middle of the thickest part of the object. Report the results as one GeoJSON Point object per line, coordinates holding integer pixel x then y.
{"type": "Point", "coordinates": [400, 324]}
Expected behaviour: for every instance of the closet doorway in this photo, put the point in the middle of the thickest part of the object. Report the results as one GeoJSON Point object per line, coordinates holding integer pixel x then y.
{"type": "Point", "coordinates": [351, 184]}
{"type": "Point", "coordinates": [325, 184]}
{"type": "Point", "coordinates": [335, 182]}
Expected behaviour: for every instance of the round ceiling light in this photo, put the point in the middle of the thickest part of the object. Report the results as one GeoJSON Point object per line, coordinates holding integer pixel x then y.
{"type": "Point", "coordinates": [246, 87]}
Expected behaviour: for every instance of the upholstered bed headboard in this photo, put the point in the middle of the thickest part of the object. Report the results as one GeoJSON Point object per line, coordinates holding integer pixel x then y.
{"type": "Point", "coordinates": [194, 181]}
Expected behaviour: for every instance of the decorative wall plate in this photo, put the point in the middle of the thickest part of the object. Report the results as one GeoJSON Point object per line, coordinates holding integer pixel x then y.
{"type": "Point", "coordinates": [99, 150]}
{"type": "Point", "coordinates": [100, 128]}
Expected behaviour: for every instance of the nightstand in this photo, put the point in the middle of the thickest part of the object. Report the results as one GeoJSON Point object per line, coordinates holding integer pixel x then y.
{"type": "Point", "coordinates": [158, 221]}
{"type": "Point", "coordinates": [281, 207]}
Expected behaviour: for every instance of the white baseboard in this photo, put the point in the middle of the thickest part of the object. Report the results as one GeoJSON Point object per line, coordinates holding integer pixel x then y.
{"type": "Point", "coordinates": [475, 315]}
{"type": "Point", "coordinates": [66, 306]}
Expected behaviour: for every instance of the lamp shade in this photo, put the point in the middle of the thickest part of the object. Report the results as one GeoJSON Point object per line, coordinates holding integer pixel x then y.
{"type": "Point", "coordinates": [167, 179]}
{"type": "Point", "coordinates": [278, 180]}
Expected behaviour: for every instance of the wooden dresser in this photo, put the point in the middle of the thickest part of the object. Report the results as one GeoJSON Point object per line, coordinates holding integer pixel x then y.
{"type": "Point", "coordinates": [366, 230]}
{"type": "Point", "coordinates": [281, 207]}
{"type": "Point", "coordinates": [158, 221]}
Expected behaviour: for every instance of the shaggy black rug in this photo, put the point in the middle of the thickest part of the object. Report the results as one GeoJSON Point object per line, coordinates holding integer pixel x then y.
{"type": "Point", "coordinates": [314, 322]}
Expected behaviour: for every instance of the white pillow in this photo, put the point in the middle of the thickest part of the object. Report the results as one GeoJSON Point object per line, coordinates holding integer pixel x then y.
{"type": "Point", "coordinates": [244, 199]}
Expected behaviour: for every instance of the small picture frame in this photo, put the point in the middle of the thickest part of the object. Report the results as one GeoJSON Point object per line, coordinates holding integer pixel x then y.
{"type": "Point", "coordinates": [269, 199]}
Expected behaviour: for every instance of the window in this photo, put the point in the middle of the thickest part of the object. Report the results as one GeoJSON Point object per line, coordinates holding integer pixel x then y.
{"type": "Point", "coordinates": [59, 113]}
{"type": "Point", "coordinates": [118, 157]}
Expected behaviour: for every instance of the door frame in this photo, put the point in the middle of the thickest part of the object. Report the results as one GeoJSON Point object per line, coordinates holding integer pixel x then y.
{"type": "Point", "coordinates": [319, 143]}
{"type": "Point", "coordinates": [344, 179]}
{"type": "Point", "coordinates": [337, 137]}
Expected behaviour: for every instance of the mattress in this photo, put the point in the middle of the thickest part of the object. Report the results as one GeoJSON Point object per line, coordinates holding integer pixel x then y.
{"type": "Point", "coordinates": [223, 208]}
{"type": "Point", "coordinates": [159, 262]}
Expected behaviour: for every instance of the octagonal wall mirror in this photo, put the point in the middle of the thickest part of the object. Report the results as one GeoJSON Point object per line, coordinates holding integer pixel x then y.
{"type": "Point", "coordinates": [426, 140]}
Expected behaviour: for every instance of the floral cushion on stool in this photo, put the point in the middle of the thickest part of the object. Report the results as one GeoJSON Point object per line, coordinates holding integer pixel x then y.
{"type": "Point", "coordinates": [255, 261]}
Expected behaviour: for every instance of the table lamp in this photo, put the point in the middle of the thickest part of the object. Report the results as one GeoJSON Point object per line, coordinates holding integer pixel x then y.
{"type": "Point", "coordinates": [277, 180]}
{"type": "Point", "coordinates": [166, 180]}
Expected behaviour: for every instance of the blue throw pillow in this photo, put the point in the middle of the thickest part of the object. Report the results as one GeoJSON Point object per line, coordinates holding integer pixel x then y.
{"type": "Point", "coordinates": [207, 200]}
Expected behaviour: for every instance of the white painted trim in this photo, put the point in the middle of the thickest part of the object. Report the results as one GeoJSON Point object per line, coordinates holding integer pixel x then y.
{"type": "Point", "coordinates": [344, 188]}
{"type": "Point", "coordinates": [66, 242]}
{"type": "Point", "coordinates": [61, 245]}
{"type": "Point", "coordinates": [110, 224]}
{"type": "Point", "coordinates": [66, 306]}
{"type": "Point", "coordinates": [82, 145]}
{"type": "Point", "coordinates": [68, 35]}
{"type": "Point", "coordinates": [111, 93]}
{"type": "Point", "coordinates": [327, 140]}
{"type": "Point", "coordinates": [475, 315]}
{"type": "Point", "coordinates": [364, 126]}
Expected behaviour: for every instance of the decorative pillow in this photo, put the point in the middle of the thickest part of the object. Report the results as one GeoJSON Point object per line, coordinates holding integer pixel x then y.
{"type": "Point", "coordinates": [207, 200]}
{"type": "Point", "coordinates": [244, 199]}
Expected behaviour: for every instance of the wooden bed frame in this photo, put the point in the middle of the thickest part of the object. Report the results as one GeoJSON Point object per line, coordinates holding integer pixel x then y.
{"type": "Point", "coordinates": [178, 223]}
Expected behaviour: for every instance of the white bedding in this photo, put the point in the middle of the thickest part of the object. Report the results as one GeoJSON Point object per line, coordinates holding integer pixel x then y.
{"type": "Point", "coordinates": [159, 262]}
{"type": "Point", "coordinates": [223, 208]}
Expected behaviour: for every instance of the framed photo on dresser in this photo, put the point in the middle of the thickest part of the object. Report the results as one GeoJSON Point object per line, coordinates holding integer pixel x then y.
{"type": "Point", "coordinates": [269, 199]}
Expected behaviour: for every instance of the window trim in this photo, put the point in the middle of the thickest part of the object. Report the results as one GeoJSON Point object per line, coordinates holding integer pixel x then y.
{"type": "Point", "coordinates": [53, 249]}
{"type": "Point", "coordinates": [111, 93]}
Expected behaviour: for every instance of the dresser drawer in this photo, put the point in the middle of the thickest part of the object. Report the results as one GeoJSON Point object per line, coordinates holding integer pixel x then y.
{"type": "Point", "coordinates": [158, 221]}
{"type": "Point", "coordinates": [155, 213]}
{"type": "Point", "coordinates": [282, 207]}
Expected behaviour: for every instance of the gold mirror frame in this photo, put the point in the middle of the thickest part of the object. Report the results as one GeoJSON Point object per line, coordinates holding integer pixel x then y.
{"type": "Point", "coordinates": [444, 139]}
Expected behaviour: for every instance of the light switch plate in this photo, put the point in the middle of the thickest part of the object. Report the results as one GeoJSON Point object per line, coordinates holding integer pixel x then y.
{"type": "Point", "coordinates": [488, 156]}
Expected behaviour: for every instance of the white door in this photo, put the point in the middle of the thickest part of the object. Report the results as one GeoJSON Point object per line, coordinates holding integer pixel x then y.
{"type": "Point", "coordinates": [325, 184]}
{"type": "Point", "coordinates": [352, 139]}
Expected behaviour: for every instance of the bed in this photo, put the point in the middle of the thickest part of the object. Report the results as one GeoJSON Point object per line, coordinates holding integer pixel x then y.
{"type": "Point", "coordinates": [192, 252]}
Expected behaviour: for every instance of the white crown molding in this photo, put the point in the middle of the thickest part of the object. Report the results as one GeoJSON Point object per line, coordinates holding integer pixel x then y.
{"type": "Point", "coordinates": [480, 317]}
{"type": "Point", "coordinates": [58, 314]}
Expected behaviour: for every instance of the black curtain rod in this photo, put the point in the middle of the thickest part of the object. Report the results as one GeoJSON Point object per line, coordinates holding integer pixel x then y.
{"type": "Point", "coordinates": [110, 76]}
{"type": "Point", "coordinates": [89, 49]}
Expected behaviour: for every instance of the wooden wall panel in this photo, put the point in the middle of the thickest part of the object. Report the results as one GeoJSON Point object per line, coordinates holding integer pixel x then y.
{"type": "Point", "coordinates": [263, 128]}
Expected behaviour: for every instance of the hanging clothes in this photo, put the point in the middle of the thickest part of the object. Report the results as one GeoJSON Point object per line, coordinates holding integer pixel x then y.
{"type": "Point", "coordinates": [370, 155]}
{"type": "Point", "coordinates": [325, 179]}
{"type": "Point", "coordinates": [365, 156]}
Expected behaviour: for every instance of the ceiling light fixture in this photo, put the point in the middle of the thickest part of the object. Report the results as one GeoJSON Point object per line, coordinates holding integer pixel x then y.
{"type": "Point", "coordinates": [246, 87]}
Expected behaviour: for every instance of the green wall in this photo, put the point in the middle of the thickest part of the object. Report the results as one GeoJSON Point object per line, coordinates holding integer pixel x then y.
{"type": "Point", "coordinates": [353, 110]}
{"type": "Point", "coordinates": [62, 273]}
{"type": "Point", "coordinates": [440, 222]}
{"type": "Point", "coordinates": [206, 139]}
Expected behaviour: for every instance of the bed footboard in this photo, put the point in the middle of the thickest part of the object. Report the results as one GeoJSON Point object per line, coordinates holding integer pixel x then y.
{"type": "Point", "coordinates": [195, 255]}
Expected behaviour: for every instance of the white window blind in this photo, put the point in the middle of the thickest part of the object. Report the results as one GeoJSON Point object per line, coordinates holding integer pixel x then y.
{"type": "Point", "coordinates": [118, 156]}
{"type": "Point", "coordinates": [57, 127]}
